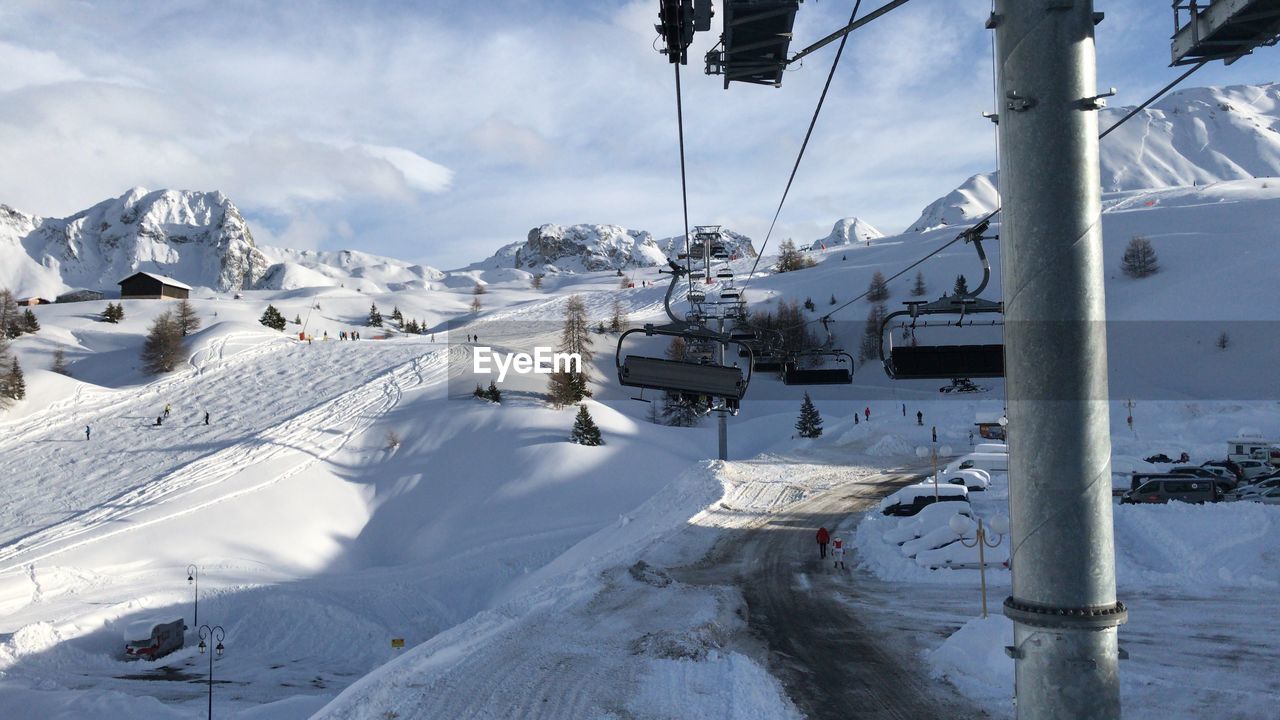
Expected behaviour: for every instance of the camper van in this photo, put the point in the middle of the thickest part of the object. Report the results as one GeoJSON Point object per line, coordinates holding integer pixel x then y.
{"type": "Point", "coordinates": [158, 637]}
{"type": "Point", "coordinates": [1253, 449]}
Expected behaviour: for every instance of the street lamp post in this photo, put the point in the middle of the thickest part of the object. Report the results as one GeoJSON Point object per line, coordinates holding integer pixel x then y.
{"type": "Point", "coordinates": [1000, 524]}
{"type": "Point", "coordinates": [213, 634]}
{"type": "Point", "coordinates": [193, 578]}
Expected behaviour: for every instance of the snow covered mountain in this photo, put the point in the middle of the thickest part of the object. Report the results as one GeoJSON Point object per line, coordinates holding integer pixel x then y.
{"type": "Point", "coordinates": [1191, 137]}
{"type": "Point", "coordinates": [199, 238]}
{"type": "Point", "coordinates": [292, 269]}
{"type": "Point", "coordinates": [846, 231]}
{"type": "Point", "coordinates": [593, 248]}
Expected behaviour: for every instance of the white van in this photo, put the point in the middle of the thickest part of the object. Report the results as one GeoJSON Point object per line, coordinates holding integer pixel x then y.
{"type": "Point", "coordinates": [991, 462]}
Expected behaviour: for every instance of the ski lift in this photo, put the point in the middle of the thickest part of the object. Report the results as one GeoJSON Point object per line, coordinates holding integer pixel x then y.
{"type": "Point", "coordinates": [795, 373]}
{"type": "Point", "coordinates": [724, 274]}
{"type": "Point", "coordinates": [680, 376]}
{"type": "Point", "coordinates": [946, 362]}
{"type": "Point", "coordinates": [730, 293]}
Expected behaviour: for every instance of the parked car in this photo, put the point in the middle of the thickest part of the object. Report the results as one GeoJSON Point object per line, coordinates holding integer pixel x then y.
{"type": "Point", "coordinates": [1248, 492]}
{"type": "Point", "coordinates": [163, 637]}
{"type": "Point", "coordinates": [1218, 470]}
{"type": "Point", "coordinates": [1270, 496]}
{"type": "Point", "coordinates": [1226, 481]}
{"type": "Point", "coordinates": [991, 462]}
{"type": "Point", "coordinates": [974, 479]}
{"type": "Point", "coordinates": [1254, 468]}
{"type": "Point", "coordinates": [993, 447]}
{"type": "Point", "coordinates": [1173, 487]}
{"type": "Point", "coordinates": [913, 498]}
{"type": "Point", "coordinates": [932, 516]}
{"type": "Point", "coordinates": [1228, 464]}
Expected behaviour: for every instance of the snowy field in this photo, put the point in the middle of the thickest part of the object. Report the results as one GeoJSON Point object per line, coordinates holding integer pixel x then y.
{"type": "Point", "coordinates": [509, 560]}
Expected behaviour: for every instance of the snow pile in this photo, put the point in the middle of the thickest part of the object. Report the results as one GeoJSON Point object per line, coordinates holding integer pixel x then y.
{"type": "Point", "coordinates": [1230, 544]}
{"type": "Point", "coordinates": [891, 446]}
{"type": "Point", "coordinates": [973, 659]}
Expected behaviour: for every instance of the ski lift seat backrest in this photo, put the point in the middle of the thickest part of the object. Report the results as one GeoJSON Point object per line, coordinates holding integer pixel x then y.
{"type": "Point", "coordinates": [793, 375]}
{"type": "Point", "coordinates": [944, 362]}
{"type": "Point", "coordinates": [677, 376]}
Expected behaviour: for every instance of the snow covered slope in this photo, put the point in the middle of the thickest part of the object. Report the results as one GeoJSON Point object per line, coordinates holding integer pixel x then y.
{"type": "Point", "coordinates": [846, 231]}
{"type": "Point", "coordinates": [291, 269]}
{"type": "Point", "coordinates": [1191, 137]}
{"type": "Point", "coordinates": [199, 238]}
{"type": "Point", "coordinates": [593, 248]}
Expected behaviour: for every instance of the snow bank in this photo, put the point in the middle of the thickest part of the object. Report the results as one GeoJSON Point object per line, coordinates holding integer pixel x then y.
{"type": "Point", "coordinates": [1198, 546]}
{"type": "Point", "coordinates": [973, 659]}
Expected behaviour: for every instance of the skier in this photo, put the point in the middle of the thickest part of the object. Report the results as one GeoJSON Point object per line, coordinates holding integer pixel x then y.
{"type": "Point", "coordinates": [86, 432]}
{"type": "Point", "coordinates": [867, 412]}
{"type": "Point", "coordinates": [837, 552]}
{"type": "Point", "coordinates": [166, 409]}
{"type": "Point", "coordinates": [326, 334]}
{"type": "Point", "coordinates": [823, 538]}
{"type": "Point", "coordinates": [919, 418]}
{"type": "Point", "coordinates": [970, 438]}
{"type": "Point", "coordinates": [904, 409]}
{"type": "Point", "coordinates": [206, 417]}
{"type": "Point", "coordinates": [855, 418]}
{"type": "Point", "coordinates": [158, 420]}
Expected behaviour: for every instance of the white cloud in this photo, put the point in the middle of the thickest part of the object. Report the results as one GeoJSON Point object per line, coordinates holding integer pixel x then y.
{"type": "Point", "coordinates": [418, 172]}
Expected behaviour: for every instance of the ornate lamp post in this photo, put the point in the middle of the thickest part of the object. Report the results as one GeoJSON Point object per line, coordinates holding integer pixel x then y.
{"type": "Point", "coordinates": [960, 525]}
{"type": "Point", "coordinates": [212, 634]}
{"type": "Point", "coordinates": [193, 578]}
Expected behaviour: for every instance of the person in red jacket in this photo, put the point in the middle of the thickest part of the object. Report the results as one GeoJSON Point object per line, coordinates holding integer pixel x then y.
{"type": "Point", "coordinates": [824, 537]}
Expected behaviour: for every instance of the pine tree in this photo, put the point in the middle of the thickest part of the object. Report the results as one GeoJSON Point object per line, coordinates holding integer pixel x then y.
{"type": "Point", "coordinates": [375, 317]}
{"type": "Point", "coordinates": [871, 334]}
{"type": "Point", "coordinates": [297, 319]}
{"type": "Point", "coordinates": [475, 305]}
{"type": "Point", "coordinates": [809, 423]}
{"type": "Point", "coordinates": [29, 322]}
{"type": "Point", "coordinates": [162, 349]}
{"type": "Point", "coordinates": [833, 299]}
{"type": "Point", "coordinates": [1224, 341]}
{"type": "Point", "coordinates": [492, 393]}
{"type": "Point", "coordinates": [575, 337]}
{"type": "Point", "coordinates": [808, 304]}
{"type": "Point", "coordinates": [789, 258]}
{"type": "Point", "coordinates": [961, 288]}
{"type": "Point", "coordinates": [919, 288]}
{"type": "Point", "coordinates": [397, 316]}
{"type": "Point", "coordinates": [618, 319]}
{"type": "Point", "coordinates": [10, 319]}
{"type": "Point", "coordinates": [15, 385]}
{"type": "Point", "coordinates": [535, 282]}
{"type": "Point", "coordinates": [5, 359]}
{"type": "Point", "coordinates": [585, 431]}
{"type": "Point", "coordinates": [878, 290]}
{"type": "Point", "coordinates": [60, 363]}
{"type": "Point", "coordinates": [113, 313]}
{"type": "Point", "coordinates": [188, 321]}
{"type": "Point", "coordinates": [272, 318]}
{"type": "Point", "coordinates": [1139, 258]}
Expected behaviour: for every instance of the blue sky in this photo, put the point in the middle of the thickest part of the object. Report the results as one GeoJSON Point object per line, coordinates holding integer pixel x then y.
{"type": "Point", "coordinates": [438, 131]}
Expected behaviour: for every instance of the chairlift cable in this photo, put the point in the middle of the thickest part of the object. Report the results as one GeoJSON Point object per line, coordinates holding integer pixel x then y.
{"type": "Point", "coordinates": [684, 181]}
{"type": "Point", "coordinates": [986, 218]}
{"type": "Point", "coordinates": [808, 133]}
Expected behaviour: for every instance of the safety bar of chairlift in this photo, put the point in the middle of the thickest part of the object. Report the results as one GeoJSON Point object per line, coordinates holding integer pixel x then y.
{"type": "Point", "coordinates": [689, 333]}
{"type": "Point", "coordinates": [824, 371]}
{"type": "Point", "coordinates": [962, 305]}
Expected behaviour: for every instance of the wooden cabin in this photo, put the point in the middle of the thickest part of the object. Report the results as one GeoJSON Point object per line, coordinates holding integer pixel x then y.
{"type": "Point", "coordinates": [149, 286]}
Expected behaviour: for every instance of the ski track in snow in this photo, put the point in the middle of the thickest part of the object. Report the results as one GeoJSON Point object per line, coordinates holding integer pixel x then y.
{"type": "Point", "coordinates": [309, 433]}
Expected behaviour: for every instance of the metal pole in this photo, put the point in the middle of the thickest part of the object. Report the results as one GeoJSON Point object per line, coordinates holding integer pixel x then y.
{"type": "Point", "coordinates": [982, 564]}
{"type": "Point", "coordinates": [723, 421]}
{"type": "Point", "coordinates": [210, 683]}
{"type": "Point", "coordinates": [1062, 556]}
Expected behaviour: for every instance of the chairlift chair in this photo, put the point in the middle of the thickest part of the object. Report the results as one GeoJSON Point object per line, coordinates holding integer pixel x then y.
{"type": "Point", "coordinates": [946, 362]}
{"type": "Point", "coordinates": [793, 372]}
